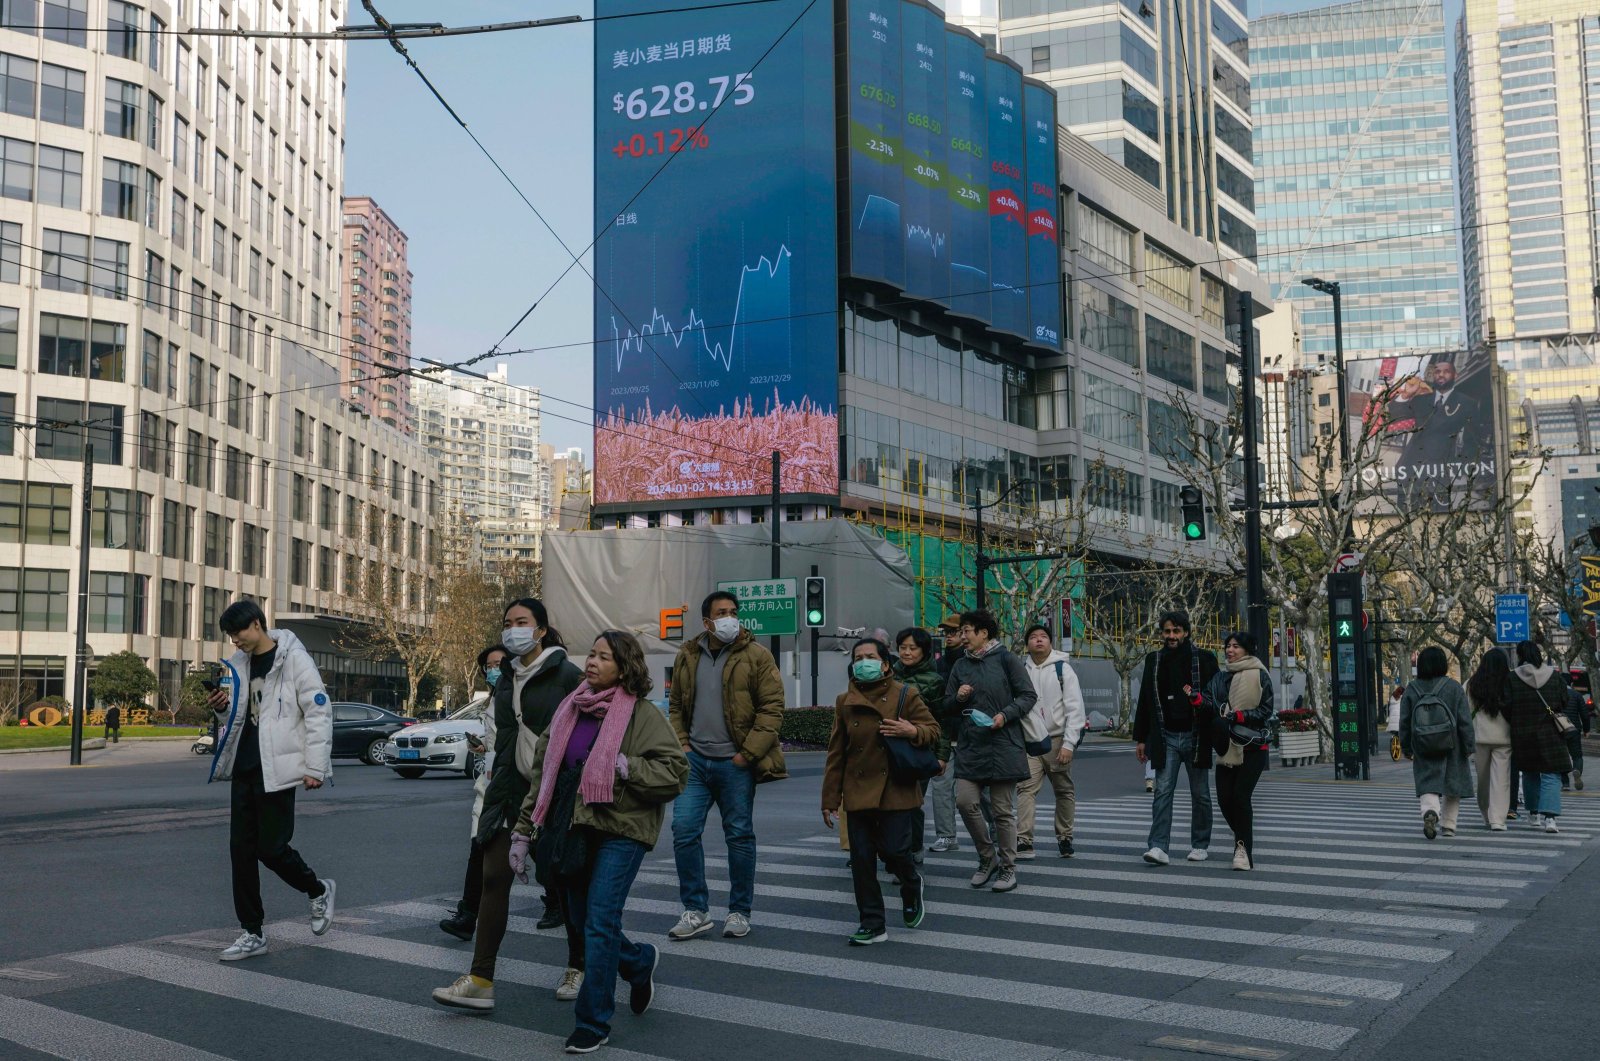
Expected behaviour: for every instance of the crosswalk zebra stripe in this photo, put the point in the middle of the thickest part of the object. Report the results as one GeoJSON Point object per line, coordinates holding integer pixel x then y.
{"type": "Point", "coordinates": [1463, 922]}
{"type": "Point", "coordinates": [1266, 822]}
{"type": "Point", "coordinates": [1211, 1019]}
{"type": "Point", "coordinates": [1409, 875]}
{"type": "Point", "coordinates": [826, 1026]}
{"type": "Point", "coordinates": [1521, 847]}
{"type": "Point", "coordinates": [1127, 926]}
{"type": "Point", "coordinates": [429, 1025]}
{"type": "Point", "coordinates": [60, 1033]}
{"type": "Point", "coordinates": [1162, 877]}
{"type": "Point", "coordinates": [1270, 852]}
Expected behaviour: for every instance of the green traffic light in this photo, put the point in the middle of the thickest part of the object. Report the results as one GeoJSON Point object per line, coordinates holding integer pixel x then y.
{"type": "Point", "coordinates": [1193, 531]}
{"type": "Point", "coordinates": [814, 617]}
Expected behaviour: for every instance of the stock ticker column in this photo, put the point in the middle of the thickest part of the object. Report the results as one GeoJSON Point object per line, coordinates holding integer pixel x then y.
{"type": "Point", "coordinates": [716, 260]}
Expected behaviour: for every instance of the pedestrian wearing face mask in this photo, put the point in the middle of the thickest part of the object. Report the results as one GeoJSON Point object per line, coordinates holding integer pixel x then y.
{"type": "Point", "coordinates": [883, 810]}
{"type": "Point", "coordinates": [464, 921]}
{"type": "Point", "coordinates": [727, 708]}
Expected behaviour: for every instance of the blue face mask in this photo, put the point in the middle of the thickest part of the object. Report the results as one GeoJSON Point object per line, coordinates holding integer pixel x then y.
{"type": "Point", "coordinates": [493, 675]}
{"type": "Point", "coordinates": [867, 670]}
{"type": "Point", "coordinates": [978, 718]}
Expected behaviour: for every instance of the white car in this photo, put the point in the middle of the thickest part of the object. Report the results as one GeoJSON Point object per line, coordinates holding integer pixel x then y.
{"type": "Point", "coordinates": [440, 745]}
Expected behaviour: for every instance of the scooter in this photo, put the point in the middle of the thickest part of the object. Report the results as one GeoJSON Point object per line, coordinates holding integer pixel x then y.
{"type": "Point", "coordinates": [204, 743]}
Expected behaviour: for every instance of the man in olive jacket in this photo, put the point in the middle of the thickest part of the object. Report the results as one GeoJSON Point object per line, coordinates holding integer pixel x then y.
{"type": "Point", "coordinates": [726, 708]}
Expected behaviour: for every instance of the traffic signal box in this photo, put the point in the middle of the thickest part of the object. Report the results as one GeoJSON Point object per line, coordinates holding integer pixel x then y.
{"type": "Point", "coordinates": [1352, 719]}
{"type": "Point", "coordinates": [1194, 514]}
{"type": "Point", "coordinates": [816, 601]}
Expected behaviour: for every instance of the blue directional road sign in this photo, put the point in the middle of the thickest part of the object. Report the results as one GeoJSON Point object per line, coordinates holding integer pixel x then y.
{"type": "Point", "coordinates": [1510, 618]}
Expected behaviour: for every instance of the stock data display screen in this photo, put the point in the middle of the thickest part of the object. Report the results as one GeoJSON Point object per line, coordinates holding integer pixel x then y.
{"type": "Point", "coordinates": [715, 259]}
{"type": "Point", "coordinates": [943, 205]}
{"type": "Point", "coordinates": [1044, 259]}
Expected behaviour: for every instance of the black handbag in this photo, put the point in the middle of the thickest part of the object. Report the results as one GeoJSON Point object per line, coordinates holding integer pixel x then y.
{"type": "Point", "coordinates": [562, 850]}
{"type": "Point", "coordinates": [908, 763]}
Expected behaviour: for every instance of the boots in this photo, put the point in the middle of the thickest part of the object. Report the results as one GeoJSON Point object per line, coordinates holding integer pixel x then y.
{"type": "Point", "coordinates": [461, 924]}
{"type": "Point", "coordinates": [552, 915]}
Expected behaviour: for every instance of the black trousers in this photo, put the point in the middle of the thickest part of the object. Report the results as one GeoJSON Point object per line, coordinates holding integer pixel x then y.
{"type": "Point", "coordinates": [884, 834]}
{"type": "Point", "coordinates": [258, 835]}
{"type": "Point", "coordinates": [1235, 786]}
{"type": "Point", "coordinates": [114, 732]}
{"type": "Point", "coordinates": [472, 887]}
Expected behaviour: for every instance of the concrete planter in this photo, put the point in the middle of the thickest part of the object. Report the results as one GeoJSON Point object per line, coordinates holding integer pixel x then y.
{"type": "Point", "coordinates": [1298, 749]}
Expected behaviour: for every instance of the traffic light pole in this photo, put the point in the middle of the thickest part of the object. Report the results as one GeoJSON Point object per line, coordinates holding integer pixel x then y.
{"type": "Point", "coordinates": [1255, 592]}
{"type": "Point", "coordinates": [815, 635]}
{"type": "Point", "coordinates": [777, 563]}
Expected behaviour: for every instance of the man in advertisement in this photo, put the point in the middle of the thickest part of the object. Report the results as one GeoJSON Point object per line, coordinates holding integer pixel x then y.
{"type": "Point", "coordinates": [1436, 425]}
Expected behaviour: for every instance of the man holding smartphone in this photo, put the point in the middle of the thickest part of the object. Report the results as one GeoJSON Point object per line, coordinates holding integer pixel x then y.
{"type": "Point", "coordinates": [276, 735]}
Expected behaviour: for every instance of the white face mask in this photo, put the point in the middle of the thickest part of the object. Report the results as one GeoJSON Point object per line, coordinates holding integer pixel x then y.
{"type": "Point", "coordinates": [519, 640]}
{"type": "Point", "coordinates": [726, 628]}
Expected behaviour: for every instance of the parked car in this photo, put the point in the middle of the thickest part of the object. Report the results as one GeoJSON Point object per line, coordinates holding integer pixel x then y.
{"type": "Point", "coordinates": [362, 731]}
{"type": "Point", "coordinates": [441, 745]}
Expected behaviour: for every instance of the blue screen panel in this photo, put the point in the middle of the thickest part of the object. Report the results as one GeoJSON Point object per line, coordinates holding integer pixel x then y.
{"type": "Point", "coordinates": [925, 214]}
{"type": "Point", "coordinates": [1008, 243]}
{"type": "Point", "coordinates": [1044, 248]}
{"type": "Point", "coordinates": [876, 159]}
{"type": "Point", "coordinates": [967, 176]}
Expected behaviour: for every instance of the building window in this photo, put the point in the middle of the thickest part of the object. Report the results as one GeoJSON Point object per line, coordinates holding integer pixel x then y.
{"type": "Point", "coordinates": [1168, 352]}
{"type": "Point", "coordinates": [175, 608]}
{"type": "Point", "coordinates": [116, 520]}
{"type": "Point", "coordinates": [110, 276]}
{"type": "Point", "coordinates": [1168, 276]}
{"type": "Point", "coordinates": [35, 513]}
{"type": "Point", "coordinates": [60, 177]}
{"type": "Point", "coordinates": [1112, 412]}
{"type": "Point", "coordinates": [299, 562]}
{"type": "Point", "coordinates": [61, 95]}
{"type": "Point", "coordinates": [33, 600]}
{"type": "Point", "coordinates": [16, 169]}
{"type": "Point", "coordinates": [1107, 324]}
{"type": "Point", "coordinates": [116, 602]}
{"type": "Point", "coordinates": [61, 343]}
{"type": "Point", "coordinates": [1213, 373]}
{"type": "Point", "coordinates": [1105, 242]}
{"type": "Point", "coordinates": [67, 21]}
{"type": "Point", "coordinates": [119, 189]}
{"type": "Point", "coordinates": [64, 266]}
{"type": "Point", "coordinates": [94, 423]}
{"type": "Point", "coordinates": [17, 77]}
{"type": "Point", "coordinates": [1041, 59]}
{"type": "Point", "coordinates": [8, 337]}
{"type": "Point", "coordinates": [326, 570]}
{"type": "Point", "coordinates": [122, 109]}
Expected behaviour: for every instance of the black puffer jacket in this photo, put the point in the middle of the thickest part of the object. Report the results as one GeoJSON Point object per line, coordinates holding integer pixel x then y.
{"type": "Point", "coordinates": [554, 678]}
{"type": "Point", "coordinates": [1000, 686]}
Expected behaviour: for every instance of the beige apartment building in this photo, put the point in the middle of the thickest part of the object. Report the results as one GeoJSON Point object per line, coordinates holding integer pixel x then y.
{"type": "Point", "coordinates": [377, 313]}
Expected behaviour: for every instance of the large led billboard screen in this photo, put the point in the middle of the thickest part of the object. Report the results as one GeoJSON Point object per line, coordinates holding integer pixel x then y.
{"type": "Point", "coordinates": [951, 166]}
{"type": "Point", "coordinates": [715, 264]}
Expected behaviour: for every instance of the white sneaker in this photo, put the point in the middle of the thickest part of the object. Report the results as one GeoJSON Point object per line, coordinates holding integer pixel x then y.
{"type": "Point", "coordinates": [1198, 854]}
{"type": "Point", "coordinates": [1550, 826]}
{"type": "Point", "coordinates": [737, 926]}
{"type": "Point", "coordinates": [1240, 859]}
{"type": "Point", "coordinates": [248, 945]}
{"type": "Point", "coordinates": [1156, 857]}
{"type": "Point", "coordinates": [571, 983]}
{"type": "Point", "coordinates": [1535, 821]}
{"type": "Point", "coordinates": [464, 994]}
{"type": "Point", "coordinates": [693, 923]}
{"type": "Point", "coordinates": [1498, 827]}
{"type": "Point", "coordinates": [322, 909]}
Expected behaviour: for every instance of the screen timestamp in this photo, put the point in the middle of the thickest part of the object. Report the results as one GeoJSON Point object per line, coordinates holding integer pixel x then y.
{"type": "Point", "coordinates": [684, 97]}
{"type": "Point", "coordinates": [662, 142]}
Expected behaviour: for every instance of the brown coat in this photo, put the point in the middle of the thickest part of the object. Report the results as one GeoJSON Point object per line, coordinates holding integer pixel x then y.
{"type": "Point", "coordinates": [752, 701]}
{"type": "Point", "coordinates": [857, 775]}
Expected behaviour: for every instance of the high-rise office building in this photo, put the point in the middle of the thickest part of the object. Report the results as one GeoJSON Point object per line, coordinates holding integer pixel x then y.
{"type": "Point", "coordinates": [1161, 86]}
{"type": "Point", "coordinates": [1352, 155]}
{"type": "Point", "coordinates": [1528, 128]}
{"type": "Point", "coordinates": [377, 313]}
{"type": "Point", "coordinates": [169, 288]}
{"type": "Point", "coordinates": [482, 434]}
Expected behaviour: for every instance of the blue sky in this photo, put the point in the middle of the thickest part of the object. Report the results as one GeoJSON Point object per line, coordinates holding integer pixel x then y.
{"type": "Point", "coordinates": [479, 255]}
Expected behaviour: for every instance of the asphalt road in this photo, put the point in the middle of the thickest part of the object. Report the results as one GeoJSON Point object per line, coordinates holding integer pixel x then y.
{"type": "Point", "coordinates": [1356, 938]}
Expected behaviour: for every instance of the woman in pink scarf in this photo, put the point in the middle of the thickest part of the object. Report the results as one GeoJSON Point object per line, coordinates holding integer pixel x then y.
{"type": "Point", "coordinates": [607, 767]}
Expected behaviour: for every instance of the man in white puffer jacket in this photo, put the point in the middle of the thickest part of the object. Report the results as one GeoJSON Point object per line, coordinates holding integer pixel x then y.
{"type": "Point", "coordinates": [1052, 731]}
{"type": "Point", "coordinates": [276, 734]}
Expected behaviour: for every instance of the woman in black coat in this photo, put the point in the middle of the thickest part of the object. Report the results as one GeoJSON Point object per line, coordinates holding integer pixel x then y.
{"type": "Point", "coordinates": [991, 690]}
{"type": "Point", "coordinates": [1538, 749]}
{"type": "Point", "coordinates": [1240, 695]}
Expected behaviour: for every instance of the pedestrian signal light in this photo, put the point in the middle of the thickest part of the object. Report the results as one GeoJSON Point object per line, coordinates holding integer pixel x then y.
{"type": "Point", "coordinates": [1346, 628]}
{"type": "Point", "coordinates": [1194, 514]}
{"type": "Point", "coordinates": [816, 600]}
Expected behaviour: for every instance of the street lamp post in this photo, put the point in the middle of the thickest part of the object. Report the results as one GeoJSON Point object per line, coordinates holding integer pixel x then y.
{"type": "Point", "coordinates": [1331, 288]}
{"type": "Point", "coordinates": [983, 563]}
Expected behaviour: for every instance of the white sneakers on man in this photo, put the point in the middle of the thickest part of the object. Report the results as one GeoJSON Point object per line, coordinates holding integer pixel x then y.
{"type": "Point", "coordinates": [247, 945]}
{"type": "Point", "coordinates": [1156, 857]}
{"type": "Point", "coordinates": [1198, 854]}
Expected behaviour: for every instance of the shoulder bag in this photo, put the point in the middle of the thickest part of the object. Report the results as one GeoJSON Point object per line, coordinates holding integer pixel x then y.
{"type": "Point", "coordinates": [908, 763]}
{"type": "Point", "coordinates": [1563, 724]}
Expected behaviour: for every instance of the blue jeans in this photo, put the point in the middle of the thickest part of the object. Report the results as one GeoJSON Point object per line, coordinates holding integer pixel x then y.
{"type": "Point", "coordinates": [1542, 793]}
{"type": "Point", "coordinates": [1180, 752]}
{"type": "Point", "coordinates": [597, 907]}
{"type": "Point", "coordinates": [732, 789]}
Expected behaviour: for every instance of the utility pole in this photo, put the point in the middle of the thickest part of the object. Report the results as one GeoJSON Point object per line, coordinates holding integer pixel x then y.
{"type": "Point", "coordinates": [1331, 287]}
{"type": "Point", "coordinates": [1255, 593]}
{"type": "Point", "coordinates": [80, 666]}
{"type": "Point", "coordinates": [979, 597]}
{"type": "Point", "coordinates": [777, 473]}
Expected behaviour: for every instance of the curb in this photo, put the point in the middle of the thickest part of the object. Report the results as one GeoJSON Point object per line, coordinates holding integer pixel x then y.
{"type": "Point", "coordinates": [68, 747]}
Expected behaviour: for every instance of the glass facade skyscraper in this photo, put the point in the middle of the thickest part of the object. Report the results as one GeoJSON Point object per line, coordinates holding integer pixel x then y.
{"type": "Point", "coordinates": [1352, 135]}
